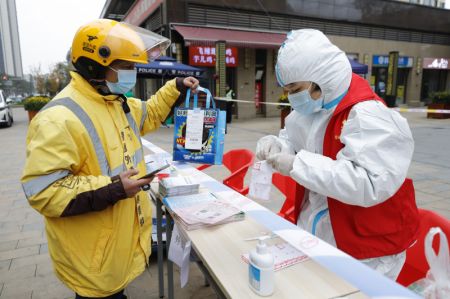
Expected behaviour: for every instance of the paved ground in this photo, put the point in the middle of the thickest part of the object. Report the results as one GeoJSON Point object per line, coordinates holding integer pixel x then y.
{"type": "Point", "coordinates": [25, 268]}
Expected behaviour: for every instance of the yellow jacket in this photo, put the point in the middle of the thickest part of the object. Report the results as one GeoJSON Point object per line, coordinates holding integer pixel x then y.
{"type": "Point", "coordinates": [75, 145]}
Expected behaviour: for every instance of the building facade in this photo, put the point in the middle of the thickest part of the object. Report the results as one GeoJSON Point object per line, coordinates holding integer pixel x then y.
{"type": "Point", "coordinates": [253, 30]}
{"type": "Point", "coordinates": [432, 3]}
{"type": "Point", "coordinates": [10, 57]}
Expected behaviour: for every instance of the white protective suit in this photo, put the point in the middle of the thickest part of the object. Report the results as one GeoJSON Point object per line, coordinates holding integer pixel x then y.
{"type": "Point", "coordinates": [378, 142]}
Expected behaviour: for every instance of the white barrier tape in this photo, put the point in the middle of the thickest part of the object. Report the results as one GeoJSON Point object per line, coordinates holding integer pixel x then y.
{"type": "Point", "coordinates": [416, 110]}
{"type": "Point", "coordinates": [421, 110]}
{"type": "Point", "coordinates": [252, 102]}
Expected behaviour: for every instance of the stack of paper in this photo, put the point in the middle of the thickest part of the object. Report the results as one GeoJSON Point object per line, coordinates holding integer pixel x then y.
{"type": "Point", "coordinates": [202, 210]}
{"type": "Point", "coordinates": [177, 185]}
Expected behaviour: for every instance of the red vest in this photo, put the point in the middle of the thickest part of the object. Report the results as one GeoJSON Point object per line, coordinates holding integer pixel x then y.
{"type": "Point", "coordinates": [384, 229]}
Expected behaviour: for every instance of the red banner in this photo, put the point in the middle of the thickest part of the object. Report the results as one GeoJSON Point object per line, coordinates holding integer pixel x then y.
{"type": "Point", "coordinates": [258, 93]}
{"type": "Point", "coordinates": [206, 56]}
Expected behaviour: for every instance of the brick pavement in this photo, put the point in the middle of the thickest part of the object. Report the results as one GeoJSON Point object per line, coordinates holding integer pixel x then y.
{"type": "Point", "coordinates": [25, 267]}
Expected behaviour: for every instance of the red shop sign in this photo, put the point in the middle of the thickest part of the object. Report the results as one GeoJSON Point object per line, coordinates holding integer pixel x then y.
{"type": "Point", "coordinates": [258, 93]}
{"type": "Point", "coordinates": [206, 56]}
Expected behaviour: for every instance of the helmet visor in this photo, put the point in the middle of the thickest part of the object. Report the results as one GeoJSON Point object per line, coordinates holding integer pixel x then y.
{"type": "Point", "coordinates": [135, 43]}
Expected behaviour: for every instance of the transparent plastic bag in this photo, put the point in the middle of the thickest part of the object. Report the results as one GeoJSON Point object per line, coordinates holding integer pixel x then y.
{"type": "Point", "coordinates": [260, 181]}
{"type": "Point", "coordinates": [436, 285]}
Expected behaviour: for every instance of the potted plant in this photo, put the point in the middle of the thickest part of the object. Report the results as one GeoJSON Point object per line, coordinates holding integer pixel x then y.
{"type": "Point", "coordinates": [439, 100]}
{"type": "Point", "coordinates": [33, 104]}
{"type": "Point", "coordinates": [285, 110]}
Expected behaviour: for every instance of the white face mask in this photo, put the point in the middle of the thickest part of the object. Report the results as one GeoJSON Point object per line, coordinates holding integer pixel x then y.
{"type": "Point", "coordinates": [303, 103]}
{"type": "Point", "coordinates": [126, 79]}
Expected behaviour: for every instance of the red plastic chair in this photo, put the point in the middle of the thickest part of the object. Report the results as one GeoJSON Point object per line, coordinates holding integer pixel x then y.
{"type": "Point", "coordinates": [293, 192]}
{"type": "Point", "coordinates": [416, 265]}
{"type": "Point", "coordinates": [237, 161]}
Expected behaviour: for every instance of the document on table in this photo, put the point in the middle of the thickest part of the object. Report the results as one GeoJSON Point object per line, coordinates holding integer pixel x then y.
{"type": "Point", "coordinates": [208, 212]}
{"type": "Point", "coordinates": [284, 255]}
{"type": "Point", "coordinates": [185, 201]}
{"type": "Point", "coordinates": [203, 209]}
{"type": "Point", "coordinates": [194, 129]}
{"type": "Point", "coordinates": [179, 252]}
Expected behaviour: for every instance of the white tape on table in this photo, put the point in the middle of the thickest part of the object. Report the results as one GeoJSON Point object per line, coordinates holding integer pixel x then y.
{"type": "Point", "coordinates": [155, 149]}
{"type": "Point", "coordinates": [370, 282]}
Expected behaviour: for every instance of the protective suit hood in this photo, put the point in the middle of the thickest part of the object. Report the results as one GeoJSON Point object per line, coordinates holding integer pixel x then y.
{"type": "Point", "coordinates": [308, 55]}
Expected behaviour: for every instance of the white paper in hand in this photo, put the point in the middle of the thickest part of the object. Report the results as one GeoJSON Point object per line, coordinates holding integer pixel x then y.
{"type": "Point", "coordinates": [261, 181]}
{"type": "Point", "coordinates": [179, 251]}
{"type": "Point", "coordinates": [194, 129]}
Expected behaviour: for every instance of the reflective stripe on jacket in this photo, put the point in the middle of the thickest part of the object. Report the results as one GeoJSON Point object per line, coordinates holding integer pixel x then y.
{"type": "Point", "coordinates": [74, 145]}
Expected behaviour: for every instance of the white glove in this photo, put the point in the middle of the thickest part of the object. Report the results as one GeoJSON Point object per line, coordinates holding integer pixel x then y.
{"type": "Point", "coordinates": [267, 146]}
{"type": "Point", "coordinates": [283, 163]}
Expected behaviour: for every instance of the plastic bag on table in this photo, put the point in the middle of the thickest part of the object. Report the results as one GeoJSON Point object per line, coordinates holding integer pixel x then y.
{"type": "Point", "coordinates": [260, 181]}
{"type": "Point", "coordinates": [436, 285]}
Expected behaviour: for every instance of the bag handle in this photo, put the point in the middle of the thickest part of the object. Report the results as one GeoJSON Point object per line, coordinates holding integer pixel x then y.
{"type": "Point", "coordinates": [208, 98]}
{"type": "Point", "coordinates": [439, 263]}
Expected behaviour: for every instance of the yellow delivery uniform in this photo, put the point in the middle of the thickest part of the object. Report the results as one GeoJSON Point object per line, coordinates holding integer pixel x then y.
{"type": "Point", "coordinates": [76, 147]}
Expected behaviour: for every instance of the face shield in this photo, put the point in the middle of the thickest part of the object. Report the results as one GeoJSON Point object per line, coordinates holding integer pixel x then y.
{"type": "Point", "coordinates": [131, 43]}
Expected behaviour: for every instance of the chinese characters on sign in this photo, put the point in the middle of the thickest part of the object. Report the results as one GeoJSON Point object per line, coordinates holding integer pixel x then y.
{"type": "Point", "coordinates": [258, 94]}
{"type": "Point", "coordinates": [436, 63]}
{"type": "Point", "coordinates": [206, 56]}
{"type": "Point", "coordinates": [383, 61]}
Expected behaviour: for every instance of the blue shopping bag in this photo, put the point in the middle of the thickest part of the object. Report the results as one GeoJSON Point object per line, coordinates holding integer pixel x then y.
{"type": "Point", "coordinates": [199, 133]}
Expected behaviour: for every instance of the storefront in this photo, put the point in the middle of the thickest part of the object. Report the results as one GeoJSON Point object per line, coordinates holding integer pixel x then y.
{"type": "Point", "coordinates": [257, 38]}
{"type": "Point", "coordinates": [248, 59]}
{"type": "Point", "coordinates": [435, 76]}
{"type": "Point", "coordinates": [379, 75]}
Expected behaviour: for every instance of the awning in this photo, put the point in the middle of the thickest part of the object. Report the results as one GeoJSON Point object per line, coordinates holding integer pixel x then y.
{"type": "Point", "coordinates": [233, 37]}
{"type": "Point", "coordinates": [358, 68]}
{"type": "Point", "coordinates": [167, 67]}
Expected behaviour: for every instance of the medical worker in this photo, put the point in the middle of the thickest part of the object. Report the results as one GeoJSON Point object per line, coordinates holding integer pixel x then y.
{"type": "Point", "coordinates": [85, 157]}
{"type": "Point", "coordinates": [348, 150]}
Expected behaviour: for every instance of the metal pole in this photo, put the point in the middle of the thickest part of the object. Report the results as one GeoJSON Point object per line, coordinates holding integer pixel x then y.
{"type": "Point", "coordinates": [169, 227]}
{"type": "Point", "coordinates": [159, 232]}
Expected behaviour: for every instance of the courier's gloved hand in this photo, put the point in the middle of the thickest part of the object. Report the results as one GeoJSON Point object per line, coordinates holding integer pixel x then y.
{"type": "Point", "coordinates": [267, 146]}
{"type": "Point", "coordinates": [282, 162]}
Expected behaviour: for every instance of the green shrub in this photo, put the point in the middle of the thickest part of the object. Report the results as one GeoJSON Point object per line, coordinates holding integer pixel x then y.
{"type": "Point", "coordinates": [440, 97]}
{"type": "Point", "coordinates": [35, 103]}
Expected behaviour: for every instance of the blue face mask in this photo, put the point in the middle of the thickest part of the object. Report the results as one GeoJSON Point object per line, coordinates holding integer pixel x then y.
{"type": "Point", "coordinates": [303, 104]}
{"type": "Point", "coordinates": [126, 80]}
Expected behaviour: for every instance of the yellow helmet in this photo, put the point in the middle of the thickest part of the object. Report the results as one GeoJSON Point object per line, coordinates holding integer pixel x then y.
{"type": "Point", "coordinates": [104, 41]}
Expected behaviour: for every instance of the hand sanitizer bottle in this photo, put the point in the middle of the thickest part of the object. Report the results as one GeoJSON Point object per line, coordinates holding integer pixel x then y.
{"type": "Point", "coordinates": [261, 269]}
